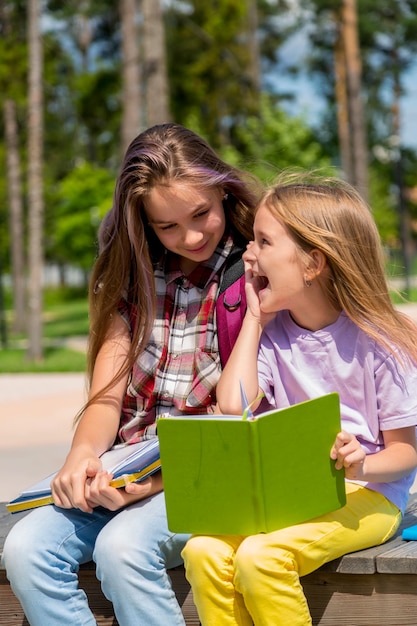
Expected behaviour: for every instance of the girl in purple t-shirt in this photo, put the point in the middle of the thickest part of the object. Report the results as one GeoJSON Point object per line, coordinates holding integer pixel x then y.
{"type": "Point", "coordinates": [319, 319]}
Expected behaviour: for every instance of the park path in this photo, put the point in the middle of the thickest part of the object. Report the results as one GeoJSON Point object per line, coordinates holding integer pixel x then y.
{"type": "Point", "coordinates": [36, 415]}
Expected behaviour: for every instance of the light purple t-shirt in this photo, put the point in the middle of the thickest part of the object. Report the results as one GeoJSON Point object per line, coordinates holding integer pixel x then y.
{"type": "Point", "coordinates": [376, 392]}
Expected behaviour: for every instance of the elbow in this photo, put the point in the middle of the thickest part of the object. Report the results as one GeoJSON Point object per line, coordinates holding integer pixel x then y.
{"type": "Point", "coordinates": [229, 408]}
{"type": "Point", "coordinates": [229, 405]}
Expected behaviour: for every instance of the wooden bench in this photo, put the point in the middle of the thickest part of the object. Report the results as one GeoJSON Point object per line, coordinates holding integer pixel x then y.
{"type": "Point", "coordinates": [374, 587]}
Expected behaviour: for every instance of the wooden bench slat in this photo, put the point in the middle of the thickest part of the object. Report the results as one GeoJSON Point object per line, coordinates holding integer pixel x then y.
{"type": "Point", "coordinates": [367, 600]}
{"type": "Point", "coordinates": [363, 561]}
{"type": "Point", "coordinates": [401, 558]}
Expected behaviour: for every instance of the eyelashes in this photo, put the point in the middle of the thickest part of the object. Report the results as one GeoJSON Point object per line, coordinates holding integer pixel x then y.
{"type": "Point", "coordinates": [196, 216]}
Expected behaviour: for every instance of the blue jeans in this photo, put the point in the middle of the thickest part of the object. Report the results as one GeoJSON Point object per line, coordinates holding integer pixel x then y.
{"type": "Point", "coordinates": [132, 549]}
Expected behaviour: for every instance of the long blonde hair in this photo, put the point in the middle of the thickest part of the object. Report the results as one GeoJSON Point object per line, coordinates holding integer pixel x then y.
{"type": "Point", "coordinates": [329, 215]}
{"type": "Point", "coordinates": [128, 248]}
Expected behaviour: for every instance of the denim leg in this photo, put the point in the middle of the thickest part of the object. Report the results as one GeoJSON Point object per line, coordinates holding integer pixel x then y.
{"type": "Point", "coordinates": [132, 554]}
{"type": "Point", "coordinates": [42, 554]}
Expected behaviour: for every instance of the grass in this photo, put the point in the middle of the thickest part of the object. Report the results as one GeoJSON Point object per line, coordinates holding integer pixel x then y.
{"type": "Point", "coordinates": [68, 319]}
{"type": "Point", "coordinates": [14, 361]}
{"type": "Point", "coordinates": [401, 297]}
{"type": "Point", "coordinates": [65, 316]}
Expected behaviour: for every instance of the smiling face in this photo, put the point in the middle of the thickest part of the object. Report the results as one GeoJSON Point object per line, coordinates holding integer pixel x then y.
{"type": "Point", "coordinates": [187, 220]}
{"type": "Point", "coordinates": [277, 258]}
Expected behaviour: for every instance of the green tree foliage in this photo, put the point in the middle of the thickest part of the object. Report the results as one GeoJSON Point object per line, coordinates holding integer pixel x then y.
{"type": "Point", "coordinates": [13, 81]}
{"type": "Point", "coordinates": [383, 203]}
{"type": "Point", "coordinates": [273, 141]}
{"type": "Point", "coordinates": [13, 50]}
{"type": "Point", "coordinates": [83, 197]}
{"type": "Point", "coordinates": [211, 90]}
{"type": "Point", "coordinates": [388, 42]}
{"type": "Point", "coordinates": [210, 70]}
{"type": "Point", "coordinates": [86, 90]}
{"type": "Point", "coordinates": [388, 45]}
{"type": "Point", "coordinates": [208, 76]}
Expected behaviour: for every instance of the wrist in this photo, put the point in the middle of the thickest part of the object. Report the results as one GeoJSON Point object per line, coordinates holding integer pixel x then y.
{"type": "Point", "coordinates": [252, 320]}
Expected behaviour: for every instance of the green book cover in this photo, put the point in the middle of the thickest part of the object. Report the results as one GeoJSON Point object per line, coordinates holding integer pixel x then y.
{"type": "Point", "coordinates": [227, 475]}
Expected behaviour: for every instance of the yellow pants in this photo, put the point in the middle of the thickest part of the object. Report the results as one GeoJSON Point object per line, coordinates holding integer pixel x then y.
{"type": "Point", "coordinates": [256, 579]}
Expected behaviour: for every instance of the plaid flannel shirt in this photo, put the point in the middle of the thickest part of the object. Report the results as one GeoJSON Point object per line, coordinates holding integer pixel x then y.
{"type": "Point", "coordinates": [178, 371]}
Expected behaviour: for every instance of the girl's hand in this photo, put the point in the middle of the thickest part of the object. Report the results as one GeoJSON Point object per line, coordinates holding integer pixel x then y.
{"type": "Point", "coordinates": [348, 454]}
{"type": "Point", "coordinates": [397, 459]}
{"type": "Point", "coordinates": [68, 486]}
{"type": "Point", "coordinates": [100, 493]}
{"type": "Point", "coordinates": [254, 283]}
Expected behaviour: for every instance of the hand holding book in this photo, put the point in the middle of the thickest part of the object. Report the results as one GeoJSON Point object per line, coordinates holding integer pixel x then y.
{"type": "Point", "coordinates": [127, 463]}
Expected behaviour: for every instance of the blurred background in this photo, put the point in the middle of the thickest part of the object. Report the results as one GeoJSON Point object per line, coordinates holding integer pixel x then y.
{"type": "Point", "coordinates": [328, 84]}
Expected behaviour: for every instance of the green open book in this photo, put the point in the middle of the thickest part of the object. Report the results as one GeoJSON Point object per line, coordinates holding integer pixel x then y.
{"type": "Point", "coordinates": [127, 463]}
{"type": "Point", "coordinates": [228, 475]}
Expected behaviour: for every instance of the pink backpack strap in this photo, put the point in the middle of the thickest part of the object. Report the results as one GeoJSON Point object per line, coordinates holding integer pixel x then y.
{"type": "Point", "coordinates": [230, 307]}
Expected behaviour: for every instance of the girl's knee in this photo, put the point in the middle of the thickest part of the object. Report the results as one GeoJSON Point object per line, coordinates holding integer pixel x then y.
{"type": "Point", "coordinates": [252, 549]}
{"type": "Point", "coordinates": [116, 553]}
{"type": "Point", "coordinates": [18, 547]}
{"type": "Point", "coordinates": [21, 557]}
{"type": "Point", "coordinates": [200, 548]}
{"type": "Point", "coordinates": [255, 557]}
{"type": "Point", "coordinates": [109, 549]}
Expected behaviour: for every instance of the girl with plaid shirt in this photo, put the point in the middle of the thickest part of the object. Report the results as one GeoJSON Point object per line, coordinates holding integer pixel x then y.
{"type": "Point", "coordinates": [166, 302]}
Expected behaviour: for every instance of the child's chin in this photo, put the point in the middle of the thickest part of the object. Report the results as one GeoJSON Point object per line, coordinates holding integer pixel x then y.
{"type": "Point", "coordinates": [264, 308]}
{"type": "Point", "coordinates": [268, 307]}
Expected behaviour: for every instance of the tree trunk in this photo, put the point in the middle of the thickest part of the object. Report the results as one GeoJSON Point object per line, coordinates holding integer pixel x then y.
{"type": "Point", "coordinates": [356, 114]}
{"type": "Point", "coordinates": [156, 79]}
{"type": "Point", "coordinates": [14, 184]}
{"type": "Point", "coordinates": [254, 52]}
{"type": "Point", "coordinates": [35, 186]}
{"type": "Point", "coordinates": [405, 228]}
{"type": "Point", "coordinates": [132, 119]}
{"type": "Point", "coordinates": [342, 112]}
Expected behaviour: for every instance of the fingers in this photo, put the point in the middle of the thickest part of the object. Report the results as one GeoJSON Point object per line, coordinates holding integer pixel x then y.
{"type": "Point", "coordinates": [68, 491]}
{"type": "Point", "coordinates": [347, 451]}
{"type": "Point", "coordinates": [139, 489]}
{"type": "Point", "coordinates": [342, 439]}
{"type": "Point", "coordinates": [98, 491]}
{"type": "Point", "coordinates": [69, 486]}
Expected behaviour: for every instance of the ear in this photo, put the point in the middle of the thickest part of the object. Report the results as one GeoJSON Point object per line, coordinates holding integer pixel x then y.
{"type": "Point", "coordinates": [316, 265]}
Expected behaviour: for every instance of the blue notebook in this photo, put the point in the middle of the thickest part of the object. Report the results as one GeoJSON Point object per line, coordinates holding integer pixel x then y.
{"type": "Point", "coordinates": [410, 533]}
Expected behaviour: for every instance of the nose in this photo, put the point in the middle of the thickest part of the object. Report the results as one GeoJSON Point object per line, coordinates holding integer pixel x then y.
{"type": "Point", "coordinates": [250, 252]}
{"type": "Point", "coordinates": [192, 238]}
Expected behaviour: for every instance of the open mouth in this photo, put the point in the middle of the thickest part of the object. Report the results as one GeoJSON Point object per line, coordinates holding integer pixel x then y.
{"type": "Point", "coordinates": [263, 283]}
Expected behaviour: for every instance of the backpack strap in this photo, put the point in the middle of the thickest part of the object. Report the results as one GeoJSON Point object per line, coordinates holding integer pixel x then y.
{"type": "Point", "coordinates": [230, 304]}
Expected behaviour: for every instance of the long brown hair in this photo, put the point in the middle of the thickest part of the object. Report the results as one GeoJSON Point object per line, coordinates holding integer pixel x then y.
{"type": "Point", "coordinates": [128, 247]}
{"type": "Point", "coordinates": [329, 215]}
